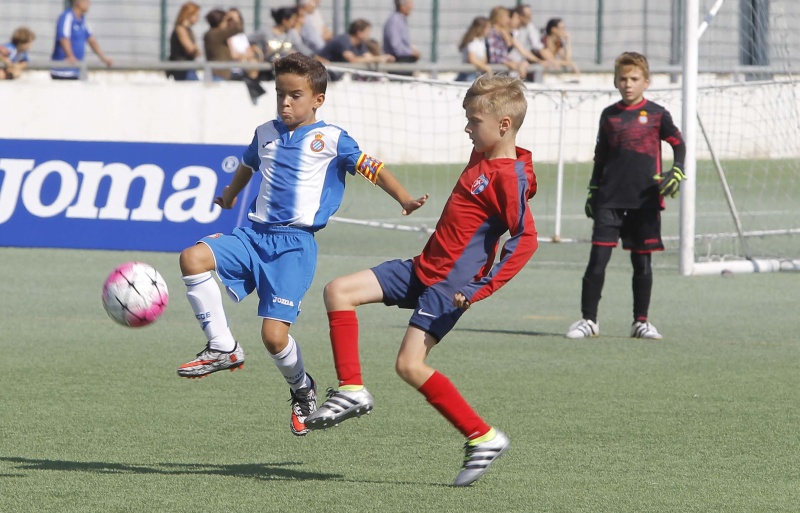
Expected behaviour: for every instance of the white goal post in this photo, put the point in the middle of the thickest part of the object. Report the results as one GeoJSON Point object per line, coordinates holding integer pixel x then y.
{"type": "Point", "coordinates": [743, 260]}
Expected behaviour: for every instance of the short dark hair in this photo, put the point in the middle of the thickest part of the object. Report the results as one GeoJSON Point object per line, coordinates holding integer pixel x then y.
{"type": "Point", "coordinates": [551, 24]}
{"type": "Point", "coordinates": [215, 17]}
{"type": "Point", "coordinates": [310, 68]}
{"type": "Point", "coordinates": [283, 13]}
{"type": "Point", "coordinates": [358, 25]}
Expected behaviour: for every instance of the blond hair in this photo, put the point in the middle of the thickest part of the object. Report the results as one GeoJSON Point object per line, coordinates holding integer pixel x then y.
{"type": "Point", "coordinates": [634, 59]}
{"type": "Point", "coordinates": [500, 94]}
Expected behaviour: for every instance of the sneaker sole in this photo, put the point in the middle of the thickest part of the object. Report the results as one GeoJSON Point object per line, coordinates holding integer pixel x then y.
{"type": "Point", "coordinates": [198, 376]}
{"type": "Point", "coordinates": [333, 421]}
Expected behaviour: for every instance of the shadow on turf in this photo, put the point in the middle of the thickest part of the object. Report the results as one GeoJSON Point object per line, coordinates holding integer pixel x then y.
{"type": "Point", "coordinates": [512, 332]}
{"type": "Point", "coordinates": [265, 471]}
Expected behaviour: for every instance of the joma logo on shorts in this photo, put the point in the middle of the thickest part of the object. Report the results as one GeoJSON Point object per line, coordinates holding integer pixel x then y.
{"type": "Point", "coordinates": [287, 302]}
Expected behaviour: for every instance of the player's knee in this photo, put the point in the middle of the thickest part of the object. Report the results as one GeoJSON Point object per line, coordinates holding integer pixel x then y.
{"type": "Point", "coordinates": [194, 260]}
{"type": "Point", "coordinates": [407, 368]}
{"type": "Point", "coordinates": [334, 292]}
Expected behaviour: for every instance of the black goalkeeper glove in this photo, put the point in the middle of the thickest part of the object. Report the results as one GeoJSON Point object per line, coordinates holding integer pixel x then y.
{"type": "Point", "coordinates": [590, 200]}
{"type": "Point", "coordinates": [669, 183]}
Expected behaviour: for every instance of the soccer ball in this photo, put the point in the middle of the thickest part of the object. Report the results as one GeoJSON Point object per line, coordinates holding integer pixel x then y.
{"type": "Point", "coordinates": [135, 294]}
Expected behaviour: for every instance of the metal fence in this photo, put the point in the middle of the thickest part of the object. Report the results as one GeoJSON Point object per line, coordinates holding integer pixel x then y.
{"type": "Point", "coordinates": [138, 30]}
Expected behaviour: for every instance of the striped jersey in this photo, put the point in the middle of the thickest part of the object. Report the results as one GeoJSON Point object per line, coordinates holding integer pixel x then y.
{"type": "Point", "coordinates": [489, 199]}
{"type": "Point", "coordinates": [303, 172]}
{"type": "Point", "coordinates": [78, 32]}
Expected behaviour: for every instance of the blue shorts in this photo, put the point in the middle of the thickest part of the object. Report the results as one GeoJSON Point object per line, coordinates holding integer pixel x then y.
{"type": "Point", "coordinates": [278, 262]}
{"type": "Point", "coordinates": [434, 312]}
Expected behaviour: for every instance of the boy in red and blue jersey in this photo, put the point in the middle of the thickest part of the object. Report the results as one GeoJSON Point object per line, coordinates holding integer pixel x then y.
{"type": "Point", "coordinates": [455, 269]}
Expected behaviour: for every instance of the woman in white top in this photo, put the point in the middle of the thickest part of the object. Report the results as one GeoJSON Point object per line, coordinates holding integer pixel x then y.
{"type": "Point", "coordinates": [473, 49]}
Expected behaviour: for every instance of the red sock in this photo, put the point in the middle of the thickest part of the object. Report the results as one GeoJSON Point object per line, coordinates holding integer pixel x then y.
{"type": "Point", "coordinates": [344, 342]}
{"type": "Point", "coordinates": [447, 400]}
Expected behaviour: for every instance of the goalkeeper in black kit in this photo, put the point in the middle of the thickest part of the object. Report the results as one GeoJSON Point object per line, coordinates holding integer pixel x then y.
{"type": "Point", "coordinates": [627, 191]}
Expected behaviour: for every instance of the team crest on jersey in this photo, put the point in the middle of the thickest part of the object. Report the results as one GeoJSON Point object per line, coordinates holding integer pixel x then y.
{"type": "Point", "coordinates": [643, 117]}
{"type": "Point", "coordinates": [479, 184]}
{"type": "Point", "coordinates": [317, 144]}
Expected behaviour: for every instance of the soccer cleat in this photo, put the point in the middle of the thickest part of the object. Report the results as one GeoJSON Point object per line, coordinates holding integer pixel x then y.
{"type": "Point", "coordinates": [477, 458]}
{"type": "Point", "coordinates": [340, 405]}
{"type": "Point", "coordinates": [645, 330]}
{"type": "Point", "coordinates": [210, 360]}
{"type": "Point", "coordinates": [304, 403]}
{"type": "Point", "coordinates": [584, 328]}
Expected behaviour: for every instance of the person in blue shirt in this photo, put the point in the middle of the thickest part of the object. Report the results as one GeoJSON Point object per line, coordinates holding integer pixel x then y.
{"type": "Point", "coordinates": [72, 34]}
{"type": "Point", "coordinates": [14, 54]}
{"type": "Point", "coordinates": [302, 163]}
{"type": "Point", "coordinates": [396, 38]}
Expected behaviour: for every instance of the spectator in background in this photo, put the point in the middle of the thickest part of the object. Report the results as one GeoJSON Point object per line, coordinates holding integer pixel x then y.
{"type": "Point", "coordinates": [396, 39]}
{"type": "Point", "coordinates": [72, 34]}
{"type": "Point", "coordinates": [312, 28]}
{"type": "Point", "coordinates": [281, 39]}
{"type": "Point", "coordinates": [216, 38]}
{"type": "Point", "coordinates": [528, 41]}
{"type": "Point", "coordinates": [14, 56]}
{"type": "Point", "coordinates": [182, 44]}
{"type": "Point", "coordinates": [241, 48]}
{"type": "Point", "coordinates": [352, 47]}
{"type": "Point", "coordinates": [558, 46]}
{"type": "Point", "coordinates": [473, 49]}
{"type": "Point", "coordinates": [500, 41]}
{"type": "Point", "coordinates": [243, 51]}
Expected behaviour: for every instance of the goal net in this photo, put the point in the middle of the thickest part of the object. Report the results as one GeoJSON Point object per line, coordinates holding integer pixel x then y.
{"type": "Point", "coordinates": [747, 174]}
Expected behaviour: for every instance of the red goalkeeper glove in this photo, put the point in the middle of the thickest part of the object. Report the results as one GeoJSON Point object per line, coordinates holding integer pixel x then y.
{"type": "Point", "coordinates": [669, 183]}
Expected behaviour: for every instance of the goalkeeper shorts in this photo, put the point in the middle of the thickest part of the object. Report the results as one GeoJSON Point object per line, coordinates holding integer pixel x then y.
{"type": "Point", "coordinates": [639, 229]}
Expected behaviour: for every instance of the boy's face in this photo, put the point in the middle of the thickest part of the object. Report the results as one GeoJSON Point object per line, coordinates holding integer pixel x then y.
{"type": "Point", "coordinates": [484, 129]}
{"type": "Point", "coordinates": [296, 101]}
{"type": "Point", "coordinates": [631, 84]}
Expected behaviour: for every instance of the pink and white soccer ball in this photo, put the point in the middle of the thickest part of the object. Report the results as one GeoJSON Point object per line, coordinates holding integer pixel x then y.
{"type": "Point", "coordinates": [135, 294]}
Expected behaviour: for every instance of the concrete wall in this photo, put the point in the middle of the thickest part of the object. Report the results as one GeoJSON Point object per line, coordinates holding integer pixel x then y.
{"type": "Point", "coordinates": [131, 29]}
{"type": "Point", "coordinates": [415, 122]}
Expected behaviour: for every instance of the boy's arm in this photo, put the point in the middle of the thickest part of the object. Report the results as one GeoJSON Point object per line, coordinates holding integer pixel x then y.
{"type": "Point", "coordinates": [390, 184]}
{"type": "Point", "coordinates": [231, 191]}
{"type": "Point", "coordinates": [600, 150]}
{"type": "Point", "coordinates": [669, 183]}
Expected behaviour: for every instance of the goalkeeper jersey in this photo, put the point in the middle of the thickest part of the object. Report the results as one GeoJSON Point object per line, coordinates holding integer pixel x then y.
{"type": "Point", "coordinates": [489, 199]}
{"type": "Point", "coordinates": [628, 154]}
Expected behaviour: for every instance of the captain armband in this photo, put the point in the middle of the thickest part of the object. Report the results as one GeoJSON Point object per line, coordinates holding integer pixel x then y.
{"type": "Point", "coordinates": [369, 167]}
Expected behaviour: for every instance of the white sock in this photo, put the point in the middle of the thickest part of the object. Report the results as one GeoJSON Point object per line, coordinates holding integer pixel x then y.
{"type": "Point", "coordinates": [290, 363]}
{"type": "Point", "coordinates": [206, 300]}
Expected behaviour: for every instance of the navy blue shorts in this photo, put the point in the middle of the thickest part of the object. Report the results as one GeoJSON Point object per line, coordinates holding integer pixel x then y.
{"type": "Point", "coordinates": [278, 262]}
{"type": "Point", "coordinates": [639, 229]}
{"type": "Point", "coordinates": [434, 312]}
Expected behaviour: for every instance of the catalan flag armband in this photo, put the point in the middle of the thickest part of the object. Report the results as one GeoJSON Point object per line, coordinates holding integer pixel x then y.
{"type": "Point", "coordinates": [369, 167]}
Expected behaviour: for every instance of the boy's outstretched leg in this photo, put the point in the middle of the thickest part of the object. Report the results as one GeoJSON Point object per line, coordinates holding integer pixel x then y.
{"type": "Point", "coordinates": [484, 443]}
{"type": "Point", "coordinates": [352, 399]}
{"type": "Point", "coordinates": [221, 351]}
